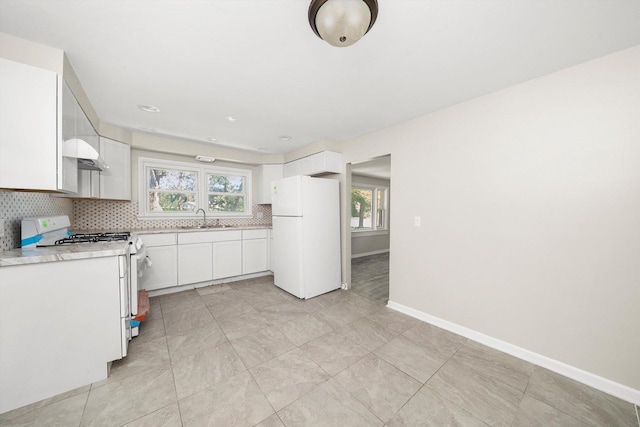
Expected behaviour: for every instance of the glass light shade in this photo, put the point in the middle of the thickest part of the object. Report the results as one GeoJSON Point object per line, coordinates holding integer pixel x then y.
{"type": "Point", "coordinates": [343, 22]}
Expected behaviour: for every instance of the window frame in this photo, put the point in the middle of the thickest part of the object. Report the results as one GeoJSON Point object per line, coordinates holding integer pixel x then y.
{"type": "Point", "coordinates": [374, 230]}
{"type": "Point", "coordinates": [202, 189]}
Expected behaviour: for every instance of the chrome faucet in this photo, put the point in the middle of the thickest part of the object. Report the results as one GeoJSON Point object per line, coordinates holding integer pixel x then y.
{"type": "Point", "coordinates": [204, 214]}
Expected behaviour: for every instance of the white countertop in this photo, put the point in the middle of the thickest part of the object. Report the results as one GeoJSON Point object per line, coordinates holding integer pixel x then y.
{"type": "Point", "coordinates": [191, 230]}
{"type": "Point", "coordinates": [62, 253]}
{"type": "Point", "coordinates": [95, 250]}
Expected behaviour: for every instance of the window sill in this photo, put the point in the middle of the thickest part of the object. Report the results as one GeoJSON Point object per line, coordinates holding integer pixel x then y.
{"type": "Point", "coordinates": [368, 233]}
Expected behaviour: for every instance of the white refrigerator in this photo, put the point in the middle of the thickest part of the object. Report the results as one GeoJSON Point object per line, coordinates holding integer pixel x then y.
{"type": "Point", "coordinates": [305, 254]}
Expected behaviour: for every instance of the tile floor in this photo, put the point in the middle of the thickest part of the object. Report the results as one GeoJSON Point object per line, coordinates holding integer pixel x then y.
{"type": "Point", "coordinates": [247, 354]}
{"type": "Point", "coordinates": [370, 277]}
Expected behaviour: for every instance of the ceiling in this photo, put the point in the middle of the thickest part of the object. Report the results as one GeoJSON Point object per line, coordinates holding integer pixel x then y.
{"type": "Point", "coordinates": [199, 61]}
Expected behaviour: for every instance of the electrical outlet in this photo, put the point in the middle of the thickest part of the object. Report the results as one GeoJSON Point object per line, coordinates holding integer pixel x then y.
{"type": "Point", "coordinates": [417, 221]}
{"type": "Point", "coordinates": [259, 215]}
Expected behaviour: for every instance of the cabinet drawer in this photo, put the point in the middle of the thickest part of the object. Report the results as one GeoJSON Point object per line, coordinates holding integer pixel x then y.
{"type": "Point", "coordinates": [255, 234]}
{"type": "Point", "coordinates": [209, 236]}
{"type": "Point", "coordinates": [158, 239]}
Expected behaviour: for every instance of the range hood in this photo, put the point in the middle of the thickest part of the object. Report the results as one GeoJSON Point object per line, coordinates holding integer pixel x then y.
{"type": "Point", "coordinates": [88, 157]}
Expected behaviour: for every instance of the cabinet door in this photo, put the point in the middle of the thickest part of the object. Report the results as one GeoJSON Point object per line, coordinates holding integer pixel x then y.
{"type": "Point", "coordinates": [194, 263]}
{"type": "Point", "coordinates": [270, 238]}
{"type": "Point", "coordinates": [88, 181]}
{"type": "Point", "coordinates": [304, 166]}
{"type": "Point", "coordinates": [28, 127]}
{"type": "Point", "coordinates": [163, 273]}
{"type": "Point", "coordinates": [267, 174]}
{"type": "Point", "coordinates": [68, 114]}
{"type": "Point", "coordinates": [255, 256]}
{"type": "Point", "coordinates": [291, 169]}
{"type": "Point", "coordinates": [325, 162]}
{"type": "Point", "coordinates": [115, 182]}
{"type": "Point", "coordinates": [227, 259]}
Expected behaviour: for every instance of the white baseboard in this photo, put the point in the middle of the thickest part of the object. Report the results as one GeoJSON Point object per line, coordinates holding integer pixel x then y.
{"type": "Point", "coordinates": [174, 289]}
{"type": "Point", "coordinates": [382, 251]}
{"type": "Point", "coordinates": [611, 387]}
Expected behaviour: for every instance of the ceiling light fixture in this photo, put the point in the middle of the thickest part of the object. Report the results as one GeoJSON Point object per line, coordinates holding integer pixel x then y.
{"type": "Point", "coordinates": [342, 22]}
{"type": "Point", "coordinates": [212, 139]}
{"type": "Point", "coordinates": [230, 118]}
{"type": "Point", "coordinates": [148, 108]}
{"type": "Point", "coordinates": [285, 138]}
{"type": "Point", "coordinates": [205, 159]}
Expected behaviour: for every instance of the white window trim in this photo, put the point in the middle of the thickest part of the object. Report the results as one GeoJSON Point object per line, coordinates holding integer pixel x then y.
{"type": "Point", "coordinates": [373, 231]}
{"type": "Point", "coordinates": [367, 233]}
{"type": "Point", "coordinates": [202, 193]}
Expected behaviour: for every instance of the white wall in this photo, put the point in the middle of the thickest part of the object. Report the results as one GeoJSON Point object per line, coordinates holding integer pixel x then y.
{"type": "Point", "coordinates": [530, 205]}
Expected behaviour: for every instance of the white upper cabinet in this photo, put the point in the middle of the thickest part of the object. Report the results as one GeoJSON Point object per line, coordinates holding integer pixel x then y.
{"type": "Point", "coordinates": [267, 174]}
{"type": "Point", "coordinates": [317, 164]}
{"type": "Point", "coordinates": [32, 126]}
{"type": "Point", "coordinates": [115, 181]}
{"type": "Point", "coordinates": [79, 126]}
{"type": "Point", "coordinates": [325, 162]}
{"type": "Point", "coordinates": [112, 183]}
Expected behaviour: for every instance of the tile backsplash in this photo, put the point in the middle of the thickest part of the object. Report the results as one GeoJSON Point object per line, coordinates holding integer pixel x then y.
{"type": "Point", "coordinates": [114, 215]}
{"type": "Point", "coordinates": [94, 215]}
{"type": "Point", "coordinates": [15, 205]}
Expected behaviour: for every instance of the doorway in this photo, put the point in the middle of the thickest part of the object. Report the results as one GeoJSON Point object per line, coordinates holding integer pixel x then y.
{"type": "Point", "coordinates": [370, 230]}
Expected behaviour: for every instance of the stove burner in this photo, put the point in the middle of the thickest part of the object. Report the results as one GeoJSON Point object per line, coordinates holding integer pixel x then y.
{"type": "Point", "coordinates": [94, 238]}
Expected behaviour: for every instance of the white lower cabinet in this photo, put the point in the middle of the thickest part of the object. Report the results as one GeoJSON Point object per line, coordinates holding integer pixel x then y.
{"type": "Point", "coordinates": [255, 256]}
{"type": "Point", "coordinates": [163, 253]}
{"type": "Point", "coordinates": [200, 256]}
{"type": "Point", "coordinates": [270, 238]}
{"type": "Point", "coordinates": [58, 330]}
{"type": "Point", "coordinates": [163, 273]}
{"type": "Point", "coordinates": [227, 259]}
{"type": "Point", "coordinates": [194, 263]}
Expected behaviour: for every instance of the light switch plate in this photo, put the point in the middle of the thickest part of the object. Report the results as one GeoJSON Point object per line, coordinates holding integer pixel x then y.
{"type": "Point", "coordinates": [417, 221]}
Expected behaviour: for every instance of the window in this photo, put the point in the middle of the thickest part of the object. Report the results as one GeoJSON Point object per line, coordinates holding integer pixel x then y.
{"type": "Point", "coordinates": [226, 193]}
{"type": "Point", "coordinates": [178, 190]}
{"type": "Point", "coordinates": [369, 207]}
{"type": "Point", "coordinates": [171, 190]}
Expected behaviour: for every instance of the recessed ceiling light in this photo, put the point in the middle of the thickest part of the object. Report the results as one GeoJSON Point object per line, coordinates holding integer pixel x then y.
{"type": "Point", "coordinates": [285, 138]}
{"type": "Point", "coordinates": [147, 129]}
{"type": "Point", "coordinates": [212, 139]}
{"type": "Point", "coordinates": [230, 118]}
{"type": "Point", "coordinates": [148, 108]}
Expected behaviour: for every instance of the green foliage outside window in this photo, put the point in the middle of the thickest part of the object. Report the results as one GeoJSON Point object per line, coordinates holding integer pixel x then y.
{"type": "Point", "coordinates": [172, 190]}
{"type": "Point", "coordinates": [360, 208]}
{"type": "Point", "coordinates": [226, 193]}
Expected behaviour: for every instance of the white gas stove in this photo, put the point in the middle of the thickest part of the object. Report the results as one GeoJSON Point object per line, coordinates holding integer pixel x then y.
{"type": "Point", "coordinates": [46, 231]}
